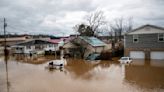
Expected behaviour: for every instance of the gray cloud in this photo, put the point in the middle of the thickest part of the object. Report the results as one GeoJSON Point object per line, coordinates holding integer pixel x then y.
{"type": "Point", "coordinates": [59, 16]}
{"type": "Point", "coordinates": [32, 14]}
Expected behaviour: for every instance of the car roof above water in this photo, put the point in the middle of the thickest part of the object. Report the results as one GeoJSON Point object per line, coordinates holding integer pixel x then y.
{"type": "Point", "coordinates": [125, 57]}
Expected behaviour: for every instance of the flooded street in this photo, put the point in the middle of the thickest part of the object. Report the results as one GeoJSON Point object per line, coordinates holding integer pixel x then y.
{"type": "Point", "coordinates": [81, 76]}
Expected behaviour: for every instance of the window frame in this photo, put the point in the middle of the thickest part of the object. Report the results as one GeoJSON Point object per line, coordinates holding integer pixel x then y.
{"type": "Point", "coordinates": [50, 45]}
{"type": "Point", "coordinates": [161, 37]}
{"type": "Point", "coordinates": [136, 36]}
{"type": "Point", "coordinates": [28, 47]}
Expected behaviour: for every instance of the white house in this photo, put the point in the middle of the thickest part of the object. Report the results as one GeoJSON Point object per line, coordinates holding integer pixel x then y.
{"type": "Point", "coordinates": [33, 46]}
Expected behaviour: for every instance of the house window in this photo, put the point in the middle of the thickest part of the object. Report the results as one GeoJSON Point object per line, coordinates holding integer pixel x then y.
{"type": "Point", "coordinates": [135, 38]}
{"type": "Point", "coordinates": [50, 45]}
{"type": "Point", "coordinates": [28, 47]}
{"type": "Point", "coordinates": [160, 37]}
{"type": "Point", "coordinates": [38, 47]}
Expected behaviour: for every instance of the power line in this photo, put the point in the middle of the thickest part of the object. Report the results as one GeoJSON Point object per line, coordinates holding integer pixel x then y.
{"type": "Point", "coordinates": [20, 29]}
{"type": "Point", "coordinates": [10, 28]}
{"type": "Point", "coordinates": [16, 28]}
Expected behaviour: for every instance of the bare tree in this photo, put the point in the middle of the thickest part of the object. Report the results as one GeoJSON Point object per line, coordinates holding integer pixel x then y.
{"type": "Point", "coordinates": [129, 24]}
{"type": "Point", "coordinates": [76, 27]}
{"type": "Point", "coordinates": [121, 25]}
{"type": "Point", "coordinates": [95, 20]}
{"type": "Point", "coordinates": [117, 27]}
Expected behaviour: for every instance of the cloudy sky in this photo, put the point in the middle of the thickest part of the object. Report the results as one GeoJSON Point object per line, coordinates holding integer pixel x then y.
{"type": "Point", "coordinates": [58, 17]}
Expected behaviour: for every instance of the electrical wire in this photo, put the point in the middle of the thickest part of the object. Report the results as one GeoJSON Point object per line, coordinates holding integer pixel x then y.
{"type": "Point", "coordinates": [16, 28]}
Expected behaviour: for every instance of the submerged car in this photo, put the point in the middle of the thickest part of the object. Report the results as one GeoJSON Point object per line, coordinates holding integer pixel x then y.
{"type": "Point", "coordinates": [93, 57]}
{"type": "Point", "coordinates": [125, 60]}
{"type": "Point", "coordinates": [60, 63]}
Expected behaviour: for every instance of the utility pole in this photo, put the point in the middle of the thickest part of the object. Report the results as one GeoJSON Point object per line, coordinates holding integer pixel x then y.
{"type": "Point", "coordinates": [6, 55]}
{"type": "Point", "coordinates": [5, 48]}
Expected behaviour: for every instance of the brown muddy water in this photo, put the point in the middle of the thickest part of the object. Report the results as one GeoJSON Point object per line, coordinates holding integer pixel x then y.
{"type": "Point", "coordinates": [26, 75]}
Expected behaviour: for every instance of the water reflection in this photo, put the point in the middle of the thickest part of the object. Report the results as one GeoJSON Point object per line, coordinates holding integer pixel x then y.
{"type": "Point", "coordinates": [82, 69]}
{"type": "Point", "coordinates": [59, 69]}
{"type": "Point", "coordinates": [83, 76]}
{"type": "Point", "coordinates": [7, 78]}
{"type": "Point", "coordinates": [149, 75]}
{"type": "Point", "coordinates": [33, 60]}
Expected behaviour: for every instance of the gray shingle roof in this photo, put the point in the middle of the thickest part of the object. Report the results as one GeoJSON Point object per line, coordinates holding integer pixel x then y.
{"type": "Point", "coordinates": [154, 26]}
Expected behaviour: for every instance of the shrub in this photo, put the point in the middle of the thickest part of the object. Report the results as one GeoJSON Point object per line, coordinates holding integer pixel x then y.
{"type": "Point", "coordinates": [106, 55]}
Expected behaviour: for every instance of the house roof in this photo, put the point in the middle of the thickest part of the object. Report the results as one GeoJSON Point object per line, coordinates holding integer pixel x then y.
{"type": "Point", "coordinates": [69, 45]}
{"type": "Point", "coordinates": [23, 38]}
{"type": "Point", "coordinates": [92, 41]}
{"type": "Point", "coordinates": [34, 41]}
{"type": "Point", "coordinates": [55, 41]}
{"type": "Point", "coordinates": [160, 29]}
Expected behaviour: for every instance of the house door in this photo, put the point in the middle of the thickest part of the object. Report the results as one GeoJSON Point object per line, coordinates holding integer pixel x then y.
{"type": "Point", "coordinates": [137, 54]}
{"type": "Point", "coordinates": [157, 55]}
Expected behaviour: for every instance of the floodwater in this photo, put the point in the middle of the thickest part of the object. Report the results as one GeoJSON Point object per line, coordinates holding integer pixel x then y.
{"type": "Point", "coordinates": [26, 75]}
